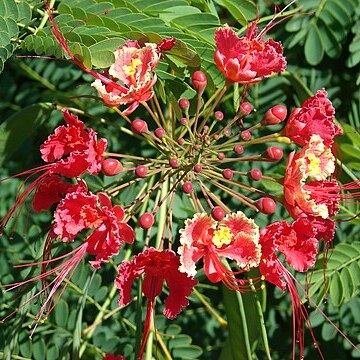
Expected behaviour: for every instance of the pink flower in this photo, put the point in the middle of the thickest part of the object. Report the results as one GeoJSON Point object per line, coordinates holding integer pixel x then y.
{"type": "Point", "coordinates": [315, 117]}
{"type": "Point", "coordinates": [235, 237]}
{"type": "Point", "coordinates": [133, 67]}
{"type": "Point", "coordinates": [79, 211]}
{"type": "Point", "coordinates": [157, 266]}
{"type": "Point", "coordinates": [247, 59]}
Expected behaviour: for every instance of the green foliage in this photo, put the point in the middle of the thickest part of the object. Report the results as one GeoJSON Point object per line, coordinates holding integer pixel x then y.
{"type": "Point", "coordinates": [14, 15]}
{"type": "Point", "coordinates": [341, 277]}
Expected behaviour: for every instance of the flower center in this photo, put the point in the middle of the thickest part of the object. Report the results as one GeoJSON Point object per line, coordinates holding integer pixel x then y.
{"type": "Point", "coordinates": [91, 217]}
{"type": "Point", "coordinates": [130, 70]}
{"type": "Point", "coordinates": [222, 236]}
{"type": "Point", "coordinates": [314, 168]}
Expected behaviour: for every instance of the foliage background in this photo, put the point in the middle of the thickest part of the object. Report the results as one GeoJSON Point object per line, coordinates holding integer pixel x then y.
{"type": "Point", "coordinates": [322, 46]}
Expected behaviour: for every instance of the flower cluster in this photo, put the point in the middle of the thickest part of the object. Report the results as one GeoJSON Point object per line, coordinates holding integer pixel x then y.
{"type": "Point", "coordinates": [203, 155]}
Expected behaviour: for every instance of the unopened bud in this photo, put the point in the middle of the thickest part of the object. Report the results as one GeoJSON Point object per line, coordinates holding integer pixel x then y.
{"type": "Point", "coordinates": [159, 132]}
{"type": "Point", "coordinates": [245, 108]}
{"type": "Point", "coordinates": [146, 220]}
{"type": "Point", "coordinates": [141, 171]}
{"type": "Point", "coordinates": [219, 115]}
{"type": "Point", "coordinates": [221, 156]}
{"type": "Point", "coordinates": [273, 153]}
{"type": "Point", "coordinates": [238, 149]}
{"type": "Point", "coordinates": [217, 213]}
{"type": "Point", "coordinates": [275, 115]}
{"type": "Point", "coordinates": [228, 174]}
{"type": "Point", "coordinates": [184, 103]}
{"type": "Point", "coordinates": [246, 135]}
{"type": "Point", "coordinates": [199, 81]}
{"type": "Point", "coordinates": [198, 168]}
{"type": "Point", "coordinates": [187, 187]}
{"type": "Point", "coordinates": [266, 205]}
{"type": "Point", "coordinates": [139, 126]}
{"type": "Point", "coordinates": [184, 121]}
{"type": "Point", "coordinates": [174, 163]}
{"type": "Point", "coordinates": [111, 167]}
{"type": "Point", "coordinates": [255, 174]}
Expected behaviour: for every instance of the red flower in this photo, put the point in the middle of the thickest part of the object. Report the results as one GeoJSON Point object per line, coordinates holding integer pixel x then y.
{"type": "Point", "coordinates": [298, 243]}
{"type": "Point", "coordinates": [306, 188]}
{"type": "Point", "coordinates": [247, 59]}
{"type": "Point", "coordinates": [315, 117]}
{"type": "Point", "coordinates": [157, 266]}
{"type": "Point", "coordinates": [133, 67]}
{"type": "Point", "coordinates": [71, 151]}
{"type": "Point", "coordinates": [52, 189]}
{"type": "Point", "coordinates": [79, 211]}
{"type": "Point", "coordinates": [235, 237]}
{"type": "Point", "coordinates": [76, 212]}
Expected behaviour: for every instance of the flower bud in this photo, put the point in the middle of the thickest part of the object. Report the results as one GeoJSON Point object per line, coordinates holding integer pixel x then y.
{"type": "Point", "coordinates": [266, 205]}
{"type": "Point", "coordinates": [217, 213]}
{"type": "Point", "coordinates": [221, 156]}
{"type": "Point", "coordinates": [139, 126]}
{"type": "Point", "coordinates": [174, 163]}
{"type": "Point", "coordinates": [198, 168]}
{"type": "Point", "coordinates": [184, 121]}
{"type": "Point", "coordinates": [111, 167]}
{"type": "Point", "coordinates": [228, 174]}
{"type": "Point", "coordinates": [245, 108]}
{"type": "Point", "coordinates": [246, 135]}
{"type": "Point", "coordinates": [141, 171]}
{"type": "Point", "coordinates": [159, 132]}
{"type": "Point", "coordinates": [146, 220]}
{"type": "Point", "coordinates": [219, 115]}
{"type": "Point", "coordinates": [274, 115]}
{"type": "Point", "coordinates": [273, 153]}
{"type": "Point", "coordinates": [180, 141]}
{"type": "Point", "coordinates": [184, 103]}
{"type": "Point", "coordinates": [187, 187]}
{"type": "Point", "coordinates": [199, 81]}
{"type": "Point", "coordinates": [255, 174]}
{"type": "Point", "coordinates": [238, 149]}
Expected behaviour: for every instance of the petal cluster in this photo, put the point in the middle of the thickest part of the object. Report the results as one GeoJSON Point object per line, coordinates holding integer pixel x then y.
{"type": "Point", "coordinates": [247, 59]}
{"type": "Point", "coordinates": [73, 149]}
{"type": "Point", "coordinates": [134, 68]}
{"type": "Point", "coordinates": [79, 211]}
{"type": "Point", "coordinates": [306, 188]}
{"type": "Point", "coordinates": [315, 117]}
{"type": "Point", "coordinates": [157, 266]}
{"type": "Point", "coordinates": [236, 237]}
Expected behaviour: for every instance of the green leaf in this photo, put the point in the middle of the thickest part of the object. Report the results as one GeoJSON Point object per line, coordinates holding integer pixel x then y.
{"type": "Point", "coordinates": [20, 126]}
{"type": "Point", "coordinates": [314, 48]}
{"type": "Point", "coordinates": [242, 317]}
{"type": "Point", "coordinates": [243, 11]}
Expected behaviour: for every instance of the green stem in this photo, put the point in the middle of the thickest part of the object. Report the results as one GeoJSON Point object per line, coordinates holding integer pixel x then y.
{"type": "Point", "coordinates": [162, 214]}
{"type": "Point", "coordinates": [259, 310]}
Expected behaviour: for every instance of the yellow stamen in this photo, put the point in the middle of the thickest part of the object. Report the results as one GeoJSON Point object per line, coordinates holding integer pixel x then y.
{"type": "Point", "coordinates": [130, 70]}
{"type": "Point", "coordinates": [222, 236]}
{"type": "Point", "coordinates": [314, 165]}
